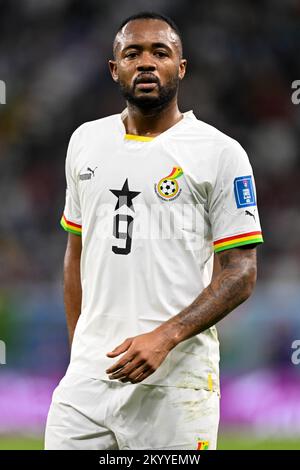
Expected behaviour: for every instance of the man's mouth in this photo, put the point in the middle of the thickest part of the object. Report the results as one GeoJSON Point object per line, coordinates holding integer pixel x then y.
{"type": "Point", "coordinates": [146, 82]}
{"type": "Point", "coordinates": [146, 86]}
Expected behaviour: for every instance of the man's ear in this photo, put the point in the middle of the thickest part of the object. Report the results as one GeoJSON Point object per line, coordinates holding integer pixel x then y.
{"type": "Point", "coordinates": [182, 68]}
{"type": "Point", "coordinates": [113, 70]}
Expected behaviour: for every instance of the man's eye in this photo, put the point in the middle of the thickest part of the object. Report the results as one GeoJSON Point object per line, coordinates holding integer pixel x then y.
{"type": "Point", "coordinates": [131, 55]}
{"type": "Point", "coordinates": [161, 54]}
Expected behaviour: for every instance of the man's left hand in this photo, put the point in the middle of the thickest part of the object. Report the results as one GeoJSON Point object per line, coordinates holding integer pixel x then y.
{"type": "Point", "coordinates": [144, 354]}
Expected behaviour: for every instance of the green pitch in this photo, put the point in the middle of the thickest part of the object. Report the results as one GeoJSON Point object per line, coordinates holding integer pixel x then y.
{"type": "Point", "coordinates": [230, 441]}
{"type": "Point", "coordinates": [226, 442]}
{"type": "Point", "coordinates": [20, 443]}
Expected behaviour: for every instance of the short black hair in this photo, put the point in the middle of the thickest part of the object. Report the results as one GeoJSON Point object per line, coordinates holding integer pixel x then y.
{"type": "Point", "coordinates": [151, 15]}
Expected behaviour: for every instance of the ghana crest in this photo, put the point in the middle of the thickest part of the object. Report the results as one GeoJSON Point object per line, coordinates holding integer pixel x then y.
{"type": "Point", "coordinates": [168, 188]}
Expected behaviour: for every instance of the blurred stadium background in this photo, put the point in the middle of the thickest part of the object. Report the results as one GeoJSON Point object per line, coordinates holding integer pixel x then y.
{"type": "Point", "coordinates": [243, 57]}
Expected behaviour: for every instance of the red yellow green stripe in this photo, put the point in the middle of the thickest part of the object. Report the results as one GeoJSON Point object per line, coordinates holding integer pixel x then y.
{"type": "Point", "coordinates": [202, 445]}
{"type": "Point", "coordinates": [70, 226]}
{"type": "Point", "coordinates": [175, 173]}
{"type": "Point", "coordinates": [238, 240]}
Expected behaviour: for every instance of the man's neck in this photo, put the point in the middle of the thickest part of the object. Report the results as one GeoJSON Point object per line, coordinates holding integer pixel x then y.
{"type": "Point", "coordinates": [151, 122]}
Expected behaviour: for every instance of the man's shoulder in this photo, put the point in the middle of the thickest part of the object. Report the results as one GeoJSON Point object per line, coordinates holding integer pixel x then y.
{"type": "Point", "coordinates": [97, 127]}
{"type": "Point", "coordinates": [207, 132]}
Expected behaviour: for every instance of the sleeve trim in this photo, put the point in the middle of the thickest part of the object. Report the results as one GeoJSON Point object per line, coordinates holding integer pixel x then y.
{"type": "Point", "coordinates": [70, 226]}
{"type": "Point", "coordinates": [238, 240]}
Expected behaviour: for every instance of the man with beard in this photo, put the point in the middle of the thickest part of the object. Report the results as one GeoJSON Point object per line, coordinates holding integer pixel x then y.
{"type": "Point", "coordinates": [154, 196]}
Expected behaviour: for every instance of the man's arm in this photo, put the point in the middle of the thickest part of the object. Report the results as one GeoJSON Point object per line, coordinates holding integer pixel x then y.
{"type": "Point", "coordinates": [72, 283]}
{"type": "Point", "coordinates": [232, 283]}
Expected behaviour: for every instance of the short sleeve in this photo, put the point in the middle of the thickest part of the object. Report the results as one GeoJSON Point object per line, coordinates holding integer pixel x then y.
{"type": "Point", "coordinates": [233, 209]}
{"type": "Point", "coordinates": [71, 218]}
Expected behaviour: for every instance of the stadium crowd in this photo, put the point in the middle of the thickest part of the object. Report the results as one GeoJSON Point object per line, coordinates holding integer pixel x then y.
{"type": "Point", "coordinates": [243, 58]}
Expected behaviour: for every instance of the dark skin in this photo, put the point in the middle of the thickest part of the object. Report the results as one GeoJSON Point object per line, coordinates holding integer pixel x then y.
{"type": "Point", "coordinates": [72, 283]}
{"type": "Point", "coordinates": [148, 46]}
{"type": "Point", "coordinates": [137, 52]}
{"type": "Point", "coordinates": [228, 289]}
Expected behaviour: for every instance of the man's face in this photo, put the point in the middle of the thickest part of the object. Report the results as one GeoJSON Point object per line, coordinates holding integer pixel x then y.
{"type": "Point", "coordinates": [148, 64]}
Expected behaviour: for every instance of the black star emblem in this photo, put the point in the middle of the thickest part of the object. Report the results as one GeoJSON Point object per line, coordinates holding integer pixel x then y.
{"type": "Point", "coordinates": [124, 196]}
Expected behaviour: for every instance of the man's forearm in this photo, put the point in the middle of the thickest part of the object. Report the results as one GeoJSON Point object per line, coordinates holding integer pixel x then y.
{"type": "Point", "coordinates": [230, 287]}
{"type": "Point", "coordinates": [72, 291]}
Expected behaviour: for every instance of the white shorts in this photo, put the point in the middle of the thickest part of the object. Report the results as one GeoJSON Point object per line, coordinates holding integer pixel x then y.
{"type": "Point", "coordinates": [96, 414]}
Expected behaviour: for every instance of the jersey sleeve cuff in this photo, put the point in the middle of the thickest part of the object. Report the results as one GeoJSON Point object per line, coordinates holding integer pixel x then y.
{"type": "Point", "coordinates": [238, 240]}
{"type": "Point", "coordinates": [70, 226]}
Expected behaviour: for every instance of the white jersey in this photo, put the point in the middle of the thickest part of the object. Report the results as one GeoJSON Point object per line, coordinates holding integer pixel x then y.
{"type": "Point", "coordinates": [152, 212]}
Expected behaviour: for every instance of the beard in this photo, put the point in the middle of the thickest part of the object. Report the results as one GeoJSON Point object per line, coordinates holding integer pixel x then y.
{"type": "Point", "coordinates": [147, 102]}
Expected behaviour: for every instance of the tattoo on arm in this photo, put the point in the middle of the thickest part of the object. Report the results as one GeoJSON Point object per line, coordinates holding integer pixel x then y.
{"type": "Point", "coordinates": [231, 286]}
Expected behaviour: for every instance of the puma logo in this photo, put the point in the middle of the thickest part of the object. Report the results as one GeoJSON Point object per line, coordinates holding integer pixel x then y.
{"type": "Point", "coordinates": [87, 176]}
{"type": "Point", "coordinates": [92, 171]}
{"type": "Point", "coordinates": [250, 213]}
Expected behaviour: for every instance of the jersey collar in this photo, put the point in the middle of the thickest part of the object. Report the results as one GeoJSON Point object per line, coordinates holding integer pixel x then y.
{"type": "Point", "coordinates": [141, 138]}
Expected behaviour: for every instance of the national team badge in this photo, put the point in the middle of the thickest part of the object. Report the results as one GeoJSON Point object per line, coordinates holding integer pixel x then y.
{"type": "Point", "coordinates": [244, 191]}
{"type": "Point", "coordinates": [168, 188]}
{"type": "Point", "coordinates": [202, 445]}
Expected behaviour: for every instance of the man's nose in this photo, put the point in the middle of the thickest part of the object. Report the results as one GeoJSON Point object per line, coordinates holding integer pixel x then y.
{"type": "Point", "coordinates": [146, 63]}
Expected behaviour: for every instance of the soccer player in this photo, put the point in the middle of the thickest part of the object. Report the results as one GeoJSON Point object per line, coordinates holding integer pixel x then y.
{"type": "Point", "coordinates": [155, 198]}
